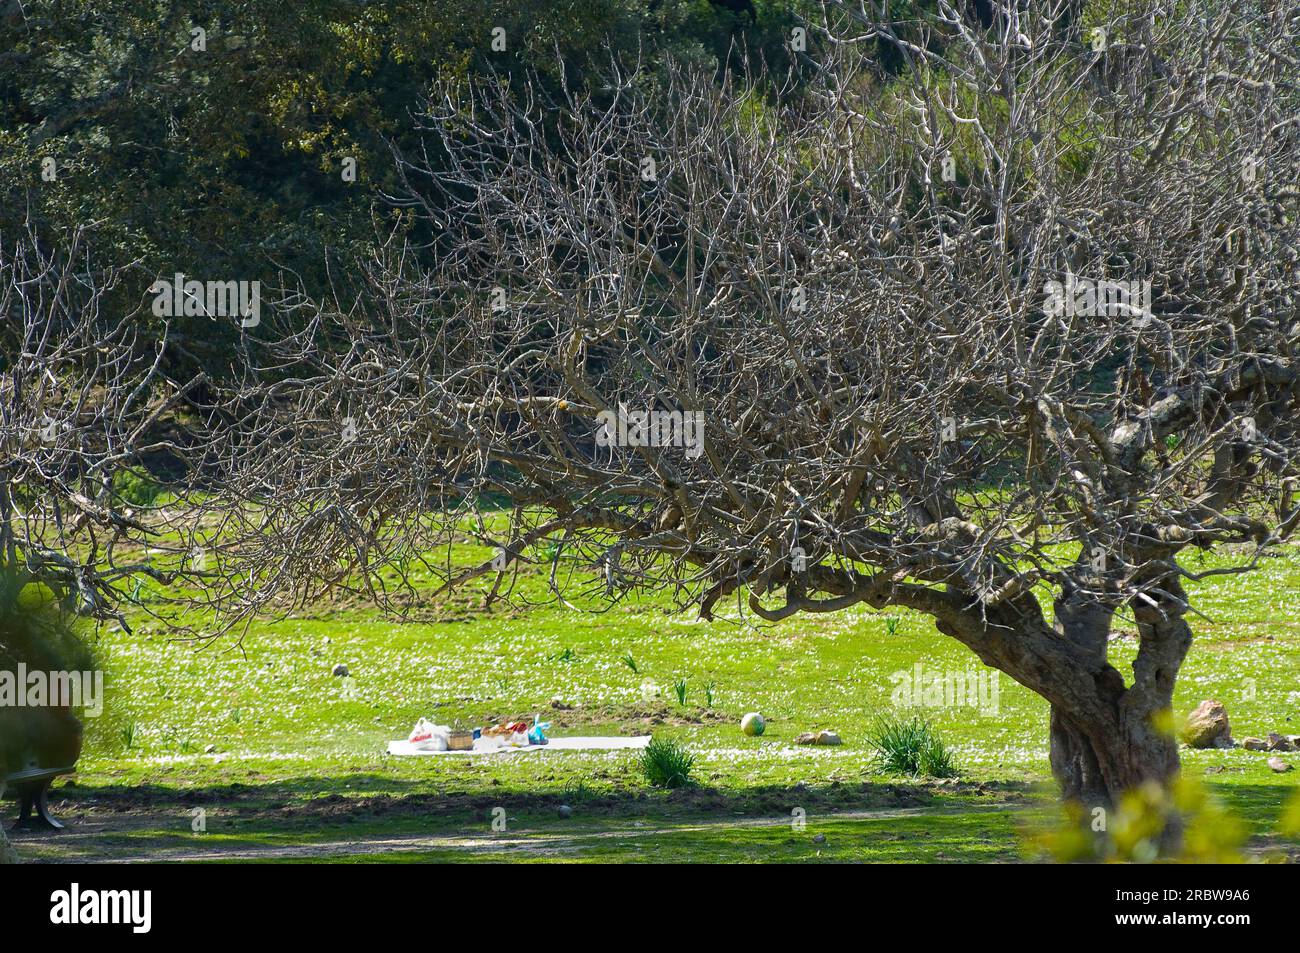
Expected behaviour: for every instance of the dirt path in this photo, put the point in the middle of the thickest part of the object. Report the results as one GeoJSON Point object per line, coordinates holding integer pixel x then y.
{"type": "Point", "coordinates": [532, 844]}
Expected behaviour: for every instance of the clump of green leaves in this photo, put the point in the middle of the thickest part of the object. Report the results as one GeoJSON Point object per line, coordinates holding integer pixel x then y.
{"type": "Point", "coordinates": [679, 689]}
{"type": "Point", "coordinates": [910, 745]}
{"type": "Point", "coordinates": [576, 791]}
{"type": "Point", "coordinates": [1138, 829]}
{"type": "Point", "coordinates": [708, 694]}
{"type": "Point", "coordinates": [136, 487]}
{"type": "Point", "coordinates": [630, 662]}
{"type": "Point", "coordinates": [36, 630]}
{"type": "Point", "coordinates": [666, 764]}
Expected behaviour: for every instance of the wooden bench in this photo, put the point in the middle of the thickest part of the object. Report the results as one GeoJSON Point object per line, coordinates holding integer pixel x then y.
{"type": "Point", "coordinates": [30, 786]}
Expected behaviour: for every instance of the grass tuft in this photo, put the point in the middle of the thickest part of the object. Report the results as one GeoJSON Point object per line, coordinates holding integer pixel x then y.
{"type": "Point", "coordinates": [666, 764]}
{"type": "Point", "coordinates": [910, 745]}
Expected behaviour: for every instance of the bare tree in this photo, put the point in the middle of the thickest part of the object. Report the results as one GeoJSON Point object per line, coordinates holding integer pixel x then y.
{"type": "Point", "coordinates": [88, 403]}
{"type": "Point", "coordinates": [1018, 322]}
{"type": "Point", "coordinates": [1017, 325]}
{"type": "Point", "coordinates": [90, 416]}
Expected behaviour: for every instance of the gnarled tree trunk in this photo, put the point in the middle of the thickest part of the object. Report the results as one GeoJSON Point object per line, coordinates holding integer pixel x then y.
{"type": "Point", "coordinates": [1107, 737]}
{"type": "Point", "coordinates": [1096, 761]}
{"type": "Point", "coordinates": [1123, 740]}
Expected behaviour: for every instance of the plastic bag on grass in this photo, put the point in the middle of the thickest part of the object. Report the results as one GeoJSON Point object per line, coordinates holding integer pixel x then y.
{"type": "Point", "coordinates": [426, 736]}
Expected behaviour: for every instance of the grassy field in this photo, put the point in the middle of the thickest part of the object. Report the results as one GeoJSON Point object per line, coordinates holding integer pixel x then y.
{"type": "Point", "coordinates": [273, 758]}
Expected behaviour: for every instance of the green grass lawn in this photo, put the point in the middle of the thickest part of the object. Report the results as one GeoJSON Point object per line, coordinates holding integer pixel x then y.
{"type": "Point", "coordinates": [286, 762]}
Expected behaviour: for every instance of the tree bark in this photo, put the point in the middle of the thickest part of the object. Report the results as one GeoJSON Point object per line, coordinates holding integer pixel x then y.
{"type": "Point", "coordinates": [1095, 762]}
{"type": "Point", "coordinates": [1106, 738]}
{"type": "Point", "coordinates": [1124, 741]}
{"type": "Point", "coordinates": [1075, 762]}
{"type": "Point", "coordinates": [1084, 737]}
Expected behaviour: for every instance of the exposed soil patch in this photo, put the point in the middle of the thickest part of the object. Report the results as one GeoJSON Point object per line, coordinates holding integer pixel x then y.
{"type": "Point", "coordinates": [633, 719]}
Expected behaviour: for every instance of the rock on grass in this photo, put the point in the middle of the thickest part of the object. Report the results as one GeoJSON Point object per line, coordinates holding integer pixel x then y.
{"type": "Point", "coordinates": [1207, 726]}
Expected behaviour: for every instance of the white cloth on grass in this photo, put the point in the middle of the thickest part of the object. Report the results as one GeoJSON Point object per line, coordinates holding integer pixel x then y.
{"type": "Point", "coordinates": [591, 743]}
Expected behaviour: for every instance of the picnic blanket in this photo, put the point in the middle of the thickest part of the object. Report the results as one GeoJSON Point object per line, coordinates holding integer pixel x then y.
{"type": "Point", "coordinates": [591, 743]}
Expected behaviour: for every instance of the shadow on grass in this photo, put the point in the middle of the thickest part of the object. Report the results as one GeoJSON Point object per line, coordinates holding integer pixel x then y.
{"type": "Point", "coordinates": [346, 817]}
{"type": "Point", "coordinates": [958, 836]}
{"type": "Point", "coordinates": [377, 794]}
{"type": "Point", "coordinates": [322, 807]}
{"type": "Point", "coordinates": [372, 816]}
